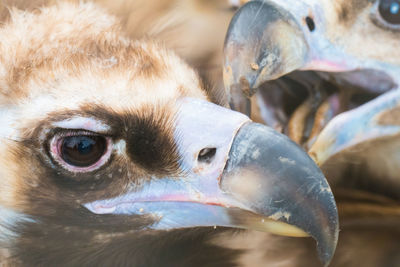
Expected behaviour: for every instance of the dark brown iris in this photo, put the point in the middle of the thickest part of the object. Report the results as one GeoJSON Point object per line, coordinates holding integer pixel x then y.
{"type": "Point", "coordinates": [82, 150]}
{"type": "Point", "coordinates": [390, 11]}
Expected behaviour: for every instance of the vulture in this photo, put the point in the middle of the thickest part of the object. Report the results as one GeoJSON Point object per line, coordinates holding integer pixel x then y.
{"type": "Point", "coordinates": [327, 74]}
{"type": "Point", "coordinates": [114, 152]}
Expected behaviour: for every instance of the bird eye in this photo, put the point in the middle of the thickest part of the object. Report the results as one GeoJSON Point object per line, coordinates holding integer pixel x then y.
{"type": "Point", "coordinates": [390, 11]}
{"type": "Point", "coordinates": [386, 13]}
{"type": "Point", "coordinates": [80, 151]}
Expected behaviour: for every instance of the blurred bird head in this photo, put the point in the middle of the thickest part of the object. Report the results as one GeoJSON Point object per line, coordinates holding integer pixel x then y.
{"type": "Point", "coordinates": [325, 69]}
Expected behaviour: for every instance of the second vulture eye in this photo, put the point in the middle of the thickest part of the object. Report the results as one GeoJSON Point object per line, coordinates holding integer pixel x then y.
{"type": "Point", "coordinates": [80, 151]}
{"type": "Point", "coordinates": [389, 11]}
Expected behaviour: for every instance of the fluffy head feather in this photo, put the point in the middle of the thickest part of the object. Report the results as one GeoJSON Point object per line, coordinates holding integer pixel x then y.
{"type": "Point", "coordinates": [73, 61]}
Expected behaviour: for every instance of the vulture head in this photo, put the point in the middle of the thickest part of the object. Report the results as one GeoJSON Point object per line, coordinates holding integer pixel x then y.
{"type": "Point", "coordinates": [329, 74]}
{"type": "Point", "coordinates": [114, 153]}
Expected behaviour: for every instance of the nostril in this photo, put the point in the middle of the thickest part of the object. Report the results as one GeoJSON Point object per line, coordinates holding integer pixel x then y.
{"type": "Point", "coordinates": [206, 155]}
{"type": "Point", "coordinates": [310, 24]}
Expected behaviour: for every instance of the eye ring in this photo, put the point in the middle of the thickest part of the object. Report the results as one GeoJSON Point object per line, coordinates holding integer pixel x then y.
{"type": "Point", "coordinates": [386, 14]}
{"type": "Point", "coordinates": [80, 151]}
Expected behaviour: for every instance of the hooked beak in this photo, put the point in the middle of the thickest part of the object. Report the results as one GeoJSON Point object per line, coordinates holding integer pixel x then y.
{"type": "Point", "coordinates": [235, 174]}
{"type": "Point", "coordinates": [264, 42]}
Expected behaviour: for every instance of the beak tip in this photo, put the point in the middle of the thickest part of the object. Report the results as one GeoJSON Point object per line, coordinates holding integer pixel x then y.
{"type": "Point", "coordinates": [327, 241]}
{"type": "Point", "coordinates": [327, 251]}
{"type": "Point", "coordinates": [282, 182]}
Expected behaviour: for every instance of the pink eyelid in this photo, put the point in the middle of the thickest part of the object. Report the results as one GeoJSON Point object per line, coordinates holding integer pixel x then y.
{"type": "Point", "coordinates": [55, 149]}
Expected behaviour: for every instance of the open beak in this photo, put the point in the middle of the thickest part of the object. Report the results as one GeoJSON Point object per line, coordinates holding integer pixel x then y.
{"type": "Point", "coordinates": [268, 39]}
{"type": "Point", "coordinates": [235, 173]}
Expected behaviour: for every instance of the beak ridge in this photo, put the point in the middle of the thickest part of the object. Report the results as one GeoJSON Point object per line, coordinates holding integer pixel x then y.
{"type": "Point", "coordinates": [263, 42]}
{"type": "Point", "coordinates": [278, 179]}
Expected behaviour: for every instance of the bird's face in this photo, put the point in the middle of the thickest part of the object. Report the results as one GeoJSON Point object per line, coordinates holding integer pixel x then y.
{"type": "Point", "coordinates": [110, 145]}
{"type": "Point", "coordinates": [87, 90]}
{"type": "Point", "coordinates": [330, 36]}
{"type": "Point", "coordinates": [325, 57]}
